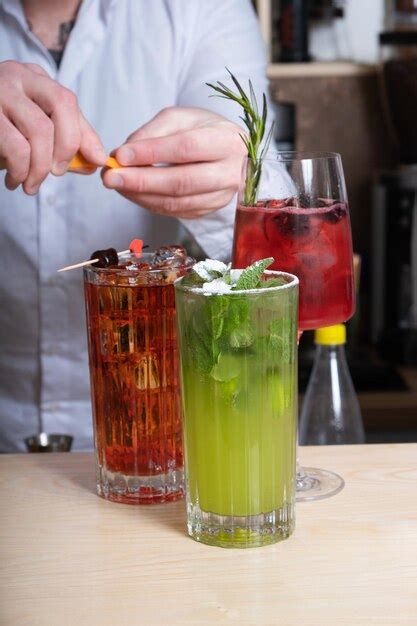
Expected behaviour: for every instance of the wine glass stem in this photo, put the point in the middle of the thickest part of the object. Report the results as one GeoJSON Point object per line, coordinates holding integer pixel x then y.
{"type": "Point", "coordinates": [300, 475]}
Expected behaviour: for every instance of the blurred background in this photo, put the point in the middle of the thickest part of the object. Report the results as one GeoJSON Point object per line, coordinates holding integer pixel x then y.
{"type": "Point", "coordinates": [343, 77]}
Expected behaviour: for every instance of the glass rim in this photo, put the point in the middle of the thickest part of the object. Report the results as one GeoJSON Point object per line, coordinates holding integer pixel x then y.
{"type": "Point", "coordinates": [289, 156]}
{"type": "Point", "coordinates": [188, 263]}
{"type": "Point", "coordinates": [293, 282]}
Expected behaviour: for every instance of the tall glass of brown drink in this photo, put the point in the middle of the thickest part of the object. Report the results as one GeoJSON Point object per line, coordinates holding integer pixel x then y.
{"type": "Point", "coordinates": [134, 376]}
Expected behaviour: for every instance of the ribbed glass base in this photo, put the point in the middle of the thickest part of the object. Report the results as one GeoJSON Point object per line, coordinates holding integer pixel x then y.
{"type": "Point", "coordinates": [232, 531]}
{"type": "Point", "coordinates": [140, 489]}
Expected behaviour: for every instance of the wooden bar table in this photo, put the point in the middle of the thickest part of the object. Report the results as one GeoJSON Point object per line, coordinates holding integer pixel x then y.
{"type": "Point", "coordinates": [69, 558]}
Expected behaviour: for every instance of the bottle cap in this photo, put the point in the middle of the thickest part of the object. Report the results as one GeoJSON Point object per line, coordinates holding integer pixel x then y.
{"type": "Point", "coordinates": [330, 335]}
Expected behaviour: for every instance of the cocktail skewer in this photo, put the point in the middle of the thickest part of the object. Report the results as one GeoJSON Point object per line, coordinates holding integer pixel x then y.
{"type": "Point", "coordinates": [86, 263]}
{"type": "Point", "coordinates": [136, 246]}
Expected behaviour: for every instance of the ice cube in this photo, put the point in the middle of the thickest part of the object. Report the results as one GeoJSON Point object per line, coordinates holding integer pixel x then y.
{"type": "Point", "coordinates": [138, 267]}
{"type": "Point", "coordinates": [174, 262]}
{"type": "Point", "coordinates": [125, 339]}
{"type": "Point", "coordinates": [165, 255]}
{"type": "Point", "coordinates": [146, 373]}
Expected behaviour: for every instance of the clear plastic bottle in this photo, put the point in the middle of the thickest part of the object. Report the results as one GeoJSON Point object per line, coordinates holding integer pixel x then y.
{"type": "Point", "coordinates": [330, 412]}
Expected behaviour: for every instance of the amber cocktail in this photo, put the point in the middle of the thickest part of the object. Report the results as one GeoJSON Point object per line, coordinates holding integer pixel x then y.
{"type": "Point", "coordinates": [134, 376]}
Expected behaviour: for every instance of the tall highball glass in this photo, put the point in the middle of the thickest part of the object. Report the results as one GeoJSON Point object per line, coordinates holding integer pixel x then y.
{"type": "Point", "coordinates": [239, 390]}
{"type": "Point", "coordinates": [134, 376]}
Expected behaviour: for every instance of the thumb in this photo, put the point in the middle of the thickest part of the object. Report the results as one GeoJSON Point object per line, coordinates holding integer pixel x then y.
{"type": "Point", "coordinates": [169, 121]}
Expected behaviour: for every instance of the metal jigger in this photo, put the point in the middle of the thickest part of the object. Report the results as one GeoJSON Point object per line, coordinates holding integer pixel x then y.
{"type": "Point", "coordinates": [48, 443]}
{"type": "Point", "coordinates": [42, 442]}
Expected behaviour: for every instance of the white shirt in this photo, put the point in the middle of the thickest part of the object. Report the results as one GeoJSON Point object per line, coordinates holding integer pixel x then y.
{"type": "Point", "coordinates": [125, 60]}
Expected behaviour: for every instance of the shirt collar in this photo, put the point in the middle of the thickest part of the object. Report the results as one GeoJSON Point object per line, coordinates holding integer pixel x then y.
{"type": "Point", "coordinates": [15, 9]}
{"type": "Point", "coordinates": [92, 20]}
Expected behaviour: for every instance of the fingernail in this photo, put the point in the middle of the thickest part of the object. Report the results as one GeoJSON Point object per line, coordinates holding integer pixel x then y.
{"type": "Point", "coordinates": [31, 191]}
{"type": "Point", "coordinates": [60, 168]}
{"type": "Point", "coordinates": [11, 186]}
{"type": "Point", "coordinates": [113, 180]}
{"type": "Point", "coordinates": [125, 156]}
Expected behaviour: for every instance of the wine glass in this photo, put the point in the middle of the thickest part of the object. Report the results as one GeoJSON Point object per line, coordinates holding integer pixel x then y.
{"type": "Point", "coordinates": [301, 218]}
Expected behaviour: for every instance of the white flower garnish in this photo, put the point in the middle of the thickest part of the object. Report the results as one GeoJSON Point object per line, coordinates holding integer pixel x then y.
{"type": "Point", "coordinates": [216, 286]}
{"type": "Point", "coordinates": [209, 269]}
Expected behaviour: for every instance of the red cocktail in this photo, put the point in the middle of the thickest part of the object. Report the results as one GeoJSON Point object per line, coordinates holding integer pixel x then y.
{"type": "Point", "coordinates": [312, 242]}
{"type": "Point", "coordinates": [302, 220]}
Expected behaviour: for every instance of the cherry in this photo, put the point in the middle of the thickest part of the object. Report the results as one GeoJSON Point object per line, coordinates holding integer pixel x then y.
{"type": "Point", "coordinates": [275, 204]}
{"type": "Point", "coordinates": [338, 212]}
{"type": "Point", "coordinates": [292, 224]}
{"type": "Point", "coordinates": [105, 257]}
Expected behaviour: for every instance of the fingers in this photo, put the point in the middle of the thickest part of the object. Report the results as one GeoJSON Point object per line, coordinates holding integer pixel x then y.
{"type": "Point", "coordinates": [14, 154]}
{"type": "Point", "coordinates": [35, 126]}
{"type": "Point", "coordinates": [41, 127]}
{"type": "Point", "coordinates": [65, 119]}
{"type": "Point", "coordinates": [176, 181]}
{"type": "Point", "coordinates": [188, 207]}
{"type": "Point", "coordinates": [91, 147]}
{"type": "Point", "coordinates": [208, 143]}
{"type": "Point", "coordinates": [170, 121]}
{"type": "Point", "coordinates": [203, 154]}
{"type": "Point", "coordinates": [72, 131]}
{"type": "Point", "coordinates": [67, 139]}
{"type": "Point", "coordinates": [36, 68]}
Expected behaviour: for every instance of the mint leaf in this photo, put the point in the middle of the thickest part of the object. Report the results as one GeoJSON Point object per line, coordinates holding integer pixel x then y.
{"type": "Point", "coordinates": [242, 337]}
{"type": "Point", "coordinates": [226, 368]}
{"type": "Point", "coordinates": [201, 350]}
{"type": "Point", "coordinates": [199, 338]}
{"type": "Point", "coordinates": [229, 390]}
{"type": "Point", "coordinates": [279, 332]}
{"type": "Point", "coordinates": [192, 280]}
{"type": "Point", "coordinates": [251, 276]}
{"type": "Point", "coordinates": [237, 313]}
{"type": "Point", "coordinates": [202, 356]}
{"type": "Point", "coordinates": [215, 311]}
{"type": "Point", "coordinates": [272, 282]}
{"type": "Point", "coordinates": [227, 277]}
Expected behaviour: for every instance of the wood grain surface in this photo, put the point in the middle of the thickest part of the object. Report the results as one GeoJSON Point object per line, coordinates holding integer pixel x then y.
{"type": "Point", "coordinates": [70, 558]}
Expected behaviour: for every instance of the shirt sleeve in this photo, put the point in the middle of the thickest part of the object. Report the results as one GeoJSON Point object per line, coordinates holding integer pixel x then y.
{"type": "Point", "coordinates": [225, 33]}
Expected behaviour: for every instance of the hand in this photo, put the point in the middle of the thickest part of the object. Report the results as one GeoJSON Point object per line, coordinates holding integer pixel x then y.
{"type": "Point", "coordinates": [41, 127]}
{"type": "Point", "coordinates": [203, 155]}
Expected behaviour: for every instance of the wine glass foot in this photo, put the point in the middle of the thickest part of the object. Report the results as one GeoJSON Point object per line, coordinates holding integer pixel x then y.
{"type": "Point", "coordinates": [317, 484]}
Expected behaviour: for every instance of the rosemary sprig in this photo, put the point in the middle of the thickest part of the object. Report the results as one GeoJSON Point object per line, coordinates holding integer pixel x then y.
{"type": "Point", "coordinates": [255, 122]}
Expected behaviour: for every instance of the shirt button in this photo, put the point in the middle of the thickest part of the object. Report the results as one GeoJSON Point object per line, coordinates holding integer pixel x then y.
{"type": "Point", "coordinates": [51, 199]}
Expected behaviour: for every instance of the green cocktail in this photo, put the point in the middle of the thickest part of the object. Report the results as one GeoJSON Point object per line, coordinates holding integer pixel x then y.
{"type": "Point", "coordinates": [238, 363]}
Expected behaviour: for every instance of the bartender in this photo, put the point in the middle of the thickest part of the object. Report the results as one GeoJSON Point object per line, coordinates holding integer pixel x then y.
{"type": "Point", "coordinates": [96, 76]}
